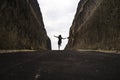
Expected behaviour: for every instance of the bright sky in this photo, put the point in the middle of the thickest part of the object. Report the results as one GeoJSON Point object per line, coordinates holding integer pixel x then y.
{"type": "Point", "coordinates": [58, 16]}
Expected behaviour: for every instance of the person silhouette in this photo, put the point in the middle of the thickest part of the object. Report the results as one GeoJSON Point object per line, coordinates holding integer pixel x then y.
{"type": "Point", "coordinates": [59, 40]}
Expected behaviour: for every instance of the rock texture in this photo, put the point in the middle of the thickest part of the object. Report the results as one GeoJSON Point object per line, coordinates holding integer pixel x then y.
{"type": "Point", "coordinates": [96, 25]}
{"type": "Point", "coordinates": [21, 25]}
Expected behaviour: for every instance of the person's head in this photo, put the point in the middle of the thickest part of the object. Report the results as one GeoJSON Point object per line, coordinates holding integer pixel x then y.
{"type": "Point", "coordinates": [60, 36]}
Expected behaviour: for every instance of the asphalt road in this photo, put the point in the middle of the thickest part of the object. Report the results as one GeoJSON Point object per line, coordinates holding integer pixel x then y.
{"type": "Point", "coordinates": [59, 65]}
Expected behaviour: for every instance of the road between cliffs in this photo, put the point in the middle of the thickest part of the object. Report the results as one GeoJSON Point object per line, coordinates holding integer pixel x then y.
{"type": "Point", "coordinates": [59, 65]}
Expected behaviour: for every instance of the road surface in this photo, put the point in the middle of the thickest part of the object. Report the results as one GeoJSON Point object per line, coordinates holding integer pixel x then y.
{"type": "Point", "coordinates": [59, 65]}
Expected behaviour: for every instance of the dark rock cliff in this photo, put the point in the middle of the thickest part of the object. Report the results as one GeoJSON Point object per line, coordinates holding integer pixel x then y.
{"type": "Point", "coordinates": [96, 25]}
{"type": "Point", "coordinates": [21, 25]}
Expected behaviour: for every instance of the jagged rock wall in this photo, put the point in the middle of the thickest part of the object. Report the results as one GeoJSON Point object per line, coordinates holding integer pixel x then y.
{"type": "Point", "coordinates": [96, 25]}
{"type": "Point", "coordinates": [21, 25]}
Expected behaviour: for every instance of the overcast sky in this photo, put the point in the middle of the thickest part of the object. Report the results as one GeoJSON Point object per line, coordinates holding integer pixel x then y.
{"type": "Point", "coordinates": [58, 16]}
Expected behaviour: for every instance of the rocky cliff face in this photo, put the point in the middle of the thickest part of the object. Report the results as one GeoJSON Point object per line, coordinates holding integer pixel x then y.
{"type": "Point", "coordinates": [96, 25]}
{"type": "Point", "coordinates": [21, 25]}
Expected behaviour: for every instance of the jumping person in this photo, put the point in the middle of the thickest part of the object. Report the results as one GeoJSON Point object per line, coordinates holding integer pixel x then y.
{"type": "Point", "coordinates": [59, 41]}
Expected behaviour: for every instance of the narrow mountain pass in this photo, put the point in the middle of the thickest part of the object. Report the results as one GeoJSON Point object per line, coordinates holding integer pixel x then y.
{"type": "Point", "coordinates": [59, 65]}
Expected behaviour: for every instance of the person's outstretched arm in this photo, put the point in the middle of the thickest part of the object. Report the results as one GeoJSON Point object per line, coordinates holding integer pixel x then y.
{"type": "Point", "coordinates": [56, 36]}
{"type": "Point", "coordinates": [68, 37]}
{"type": "Point", "coordinates": [64, 38]}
